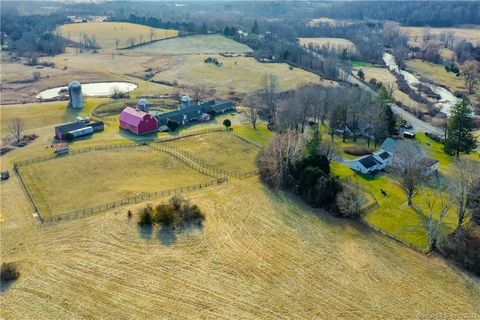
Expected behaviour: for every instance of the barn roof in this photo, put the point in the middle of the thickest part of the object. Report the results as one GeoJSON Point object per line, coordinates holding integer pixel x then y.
{"type": "Point", "coordinates": [64, 128]}
{"type": "Point", "coordinates": [132, 116]}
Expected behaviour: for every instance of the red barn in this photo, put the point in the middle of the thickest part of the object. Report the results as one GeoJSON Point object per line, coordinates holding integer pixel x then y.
{"type": "Point", "coordinates": [137, 122]}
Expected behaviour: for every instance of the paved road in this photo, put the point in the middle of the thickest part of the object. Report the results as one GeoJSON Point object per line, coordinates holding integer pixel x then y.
{"type": "Point", "coordinates": [418, 125]}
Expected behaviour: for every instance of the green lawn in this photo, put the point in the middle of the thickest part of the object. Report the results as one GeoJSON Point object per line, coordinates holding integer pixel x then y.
{"type": "Point", "coordinates": [362, 64]}
{"type": "Point", "coordinates": [393, 215]}
{"type": "Point", "coordinates": [260, 135]}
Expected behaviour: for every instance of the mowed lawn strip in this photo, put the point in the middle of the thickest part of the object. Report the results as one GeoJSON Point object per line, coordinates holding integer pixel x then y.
{"type": "Point", "coordinates": [97, 177]}
{"type": "Point", "coordinates": [221, 150]}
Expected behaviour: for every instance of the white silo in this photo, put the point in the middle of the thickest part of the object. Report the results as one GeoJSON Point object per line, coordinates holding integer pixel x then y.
{"type": "Point", "coordinates": [185, 101]}
{"type": "Point", "coordinates": [142, 105]}
{"type": "Point", "coordinates": [75, 95]}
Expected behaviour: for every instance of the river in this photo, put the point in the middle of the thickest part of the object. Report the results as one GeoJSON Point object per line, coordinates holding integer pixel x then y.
{"type": "Point", "coordinates": [447, 100]}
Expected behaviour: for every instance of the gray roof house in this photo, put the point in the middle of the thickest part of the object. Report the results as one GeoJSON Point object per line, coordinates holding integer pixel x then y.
{"type": "Point", "coordinates": [197, 112]}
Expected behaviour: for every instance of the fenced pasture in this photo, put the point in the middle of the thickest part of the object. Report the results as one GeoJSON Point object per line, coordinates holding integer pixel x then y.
{"type": "Point", "coordinates": [87, 179]}
{"type": "Point", "coordinates": [222, 150]}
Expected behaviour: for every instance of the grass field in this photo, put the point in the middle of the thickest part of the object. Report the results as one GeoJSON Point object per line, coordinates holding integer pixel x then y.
{"type": "Point", "coordinates": [337, 44]}
{"type": "Point", "coordinates": [239, 74]}
{"type": "Point", "coordinates": [259, 255]}
{"type": "Point", "coordinates": [107, 32]}
{"type": "Point", "coordinates": [196, 44]}
{"type": "Point", "coordinates": [469, 34]}
{"type": "Point", "coordinates": [383, 75]}
{"type": "Point", "coordinates": [438, 74]}
{"type": "Point", "coordinates": [89, 179]}
{"type": "Point", "coordinates": [221, 150]}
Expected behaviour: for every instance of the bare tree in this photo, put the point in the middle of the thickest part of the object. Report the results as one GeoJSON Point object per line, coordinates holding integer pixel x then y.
{"type": "Point", "coordinates": [151, 34]}
{"type": "Point", "coordinates": [269, 94]}
{"type": "Point", "coordinates": [282, 154]}
{"type": "Point", "coordinates": [306, 97]}
{"type": "Point", "coordinates": [374, 119]}
{"type": "Point", "coordinates": [358, 101]}
{"type": "Point", "coordinates": [117, 42]}
{"type": "Point", "coordinates": [327, 149]}
{"type": "Point", "coordinates": [36, 76]}
{"type": "Point", "coordinates": [434, 201]}
{"type": "Point", "coordinates": [391, 88]}
{"type": "Point", "coordinates": [321, 107]}
{"type": "Point", "coordinates": [132, 41]}
{"type": "Point", "coordinates": [251, 115]}
{"type": "Point", "coordinates": [289, 115]}
{"type": "Point", "coordinates": [473, 201]}
{"type": "Point", "coordinates": [349, 201]}
{"type": "Point", "coordinates": [464, 175]}
{"type": "Point", "coordinates": [471, 72]}
{"type": "Point", "coordinates": [16, 126]}
{"type": "Point", "coordinates": [140, 38]}
{"type": "Point", "coordinates": [407, 167]}
{"type": "Point", "coordinates": [199, 91]}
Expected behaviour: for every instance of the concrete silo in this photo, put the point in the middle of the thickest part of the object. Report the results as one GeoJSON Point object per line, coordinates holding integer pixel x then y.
{"type": "Point", "coordinates": [142, 105]}
{"type": "Point", "coordinates": [75, 95]}
{"type": "Point", "coordinates": [185, 102]}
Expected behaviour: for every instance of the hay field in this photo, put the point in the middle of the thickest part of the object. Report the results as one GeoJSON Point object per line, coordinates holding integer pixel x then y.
{"type": "Point", "coordinates": [107, 32]}
{"type": "Point", "coordinates": [328, 21]}
{"type": "Point", "coordinates": [259, 255]}
{"type": "Point", "coordinates": [196, 44]}
{"type": "Point", "coordinates": [221, 150]}
{"type": "Point", "coordinates": [92, 178]}
{"type": "Point", "coordinates": [337, 44]}
{"type": "Point", "coordinates": [469, 34]}
{"type": "Point", "coordinates": [239, 74]}
{"type": "Point", "coordinates": [383, 75]}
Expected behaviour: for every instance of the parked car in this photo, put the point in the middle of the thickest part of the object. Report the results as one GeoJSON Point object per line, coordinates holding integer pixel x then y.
{"type": "Point", "coordinates": [5, 175]}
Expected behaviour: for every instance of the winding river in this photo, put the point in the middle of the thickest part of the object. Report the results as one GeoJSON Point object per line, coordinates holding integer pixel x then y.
{"type": "Point", "coordinates": [99, 89]}
{"type": "Point", "coordinates": [447, 100]}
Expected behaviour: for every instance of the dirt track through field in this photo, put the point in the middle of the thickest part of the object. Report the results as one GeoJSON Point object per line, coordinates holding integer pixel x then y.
{"type": "Point", "coordinates": [259, 255]}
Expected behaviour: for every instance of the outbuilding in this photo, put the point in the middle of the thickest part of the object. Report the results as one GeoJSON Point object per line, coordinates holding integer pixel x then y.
{"type": "Point", "coordinates": [367, 165]}
{"type": "Point", "coordinates": [137, 122]}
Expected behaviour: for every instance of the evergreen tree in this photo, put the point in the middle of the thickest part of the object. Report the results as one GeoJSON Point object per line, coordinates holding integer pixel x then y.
{"type": "Point", "coordinates": [227, 31]}
{"type": "Point", "coordinates": [390, 120]}
{"type": "Point", "coordinates": [460, 126]}
{"type": "Point", "coordinates": [255, 29]}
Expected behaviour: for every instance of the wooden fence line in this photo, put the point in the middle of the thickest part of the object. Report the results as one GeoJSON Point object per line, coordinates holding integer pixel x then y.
{"type": "Point", "coordinates": [136, 199]}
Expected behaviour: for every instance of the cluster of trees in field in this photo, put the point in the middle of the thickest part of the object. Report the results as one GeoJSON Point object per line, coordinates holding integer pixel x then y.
{"type": "Point", "coordinates": [177, 213]}
{"type": "Point", "coordinates": [32, 35]}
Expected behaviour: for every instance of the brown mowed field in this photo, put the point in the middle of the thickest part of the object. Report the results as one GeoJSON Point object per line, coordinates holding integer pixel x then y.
{"type": "Point", "coordinates": [259, 256]}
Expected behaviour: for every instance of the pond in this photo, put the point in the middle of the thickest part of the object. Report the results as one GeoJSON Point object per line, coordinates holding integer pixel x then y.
{"type": "Point", "coordinates": [447, 98]}
{"type": "Point", "coordinates": [98, 89]}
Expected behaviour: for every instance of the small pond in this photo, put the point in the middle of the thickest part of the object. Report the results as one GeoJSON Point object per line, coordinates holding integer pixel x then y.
{"type": "Point", "coordinates": [98, 89]}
